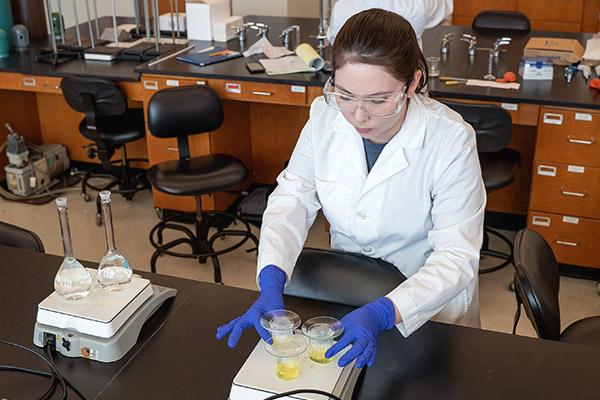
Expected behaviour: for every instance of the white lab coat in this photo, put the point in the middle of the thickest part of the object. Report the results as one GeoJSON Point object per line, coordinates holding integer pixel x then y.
{"type": "Point", "coordinates": [422, 14]}
{"type": "Point", "coordinates": [420, 208]}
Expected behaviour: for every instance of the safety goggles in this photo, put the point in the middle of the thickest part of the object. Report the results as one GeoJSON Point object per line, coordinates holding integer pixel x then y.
{"type": "Point", "coordinates": [374, 106]}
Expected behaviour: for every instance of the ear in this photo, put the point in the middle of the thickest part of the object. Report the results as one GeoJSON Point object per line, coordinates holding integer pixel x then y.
{"type": "Point", "coordinates": [415, 83]}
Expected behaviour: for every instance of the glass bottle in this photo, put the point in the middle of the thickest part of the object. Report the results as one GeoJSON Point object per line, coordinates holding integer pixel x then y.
{"type": "Point", "coordinates": [72, 281]}
{"type": "Point", "coordinates": [114, 271]}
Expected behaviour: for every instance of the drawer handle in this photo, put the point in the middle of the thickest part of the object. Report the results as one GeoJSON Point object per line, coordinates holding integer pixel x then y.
{"type": "Point", "coordinates": [540, 221]}
{"type": "Point", "coordinates": [554, 119]}
{"type": "Point", "coordinates": [262, 93]}
{"type": "Point", "coordinates": [574, 194]}
{"type": "Point", "coordinates": [29, 82]}
{"type": "Point", "coordinates": [565, 243]}
{"type": "Point", "coordinates": [580, 141]}
{"type": "Point", "coordinates": [171, 148]}
{"type": "Point", "coordinates": [52, 86]}
{"type": "Point", "coordinates": [151, 85]}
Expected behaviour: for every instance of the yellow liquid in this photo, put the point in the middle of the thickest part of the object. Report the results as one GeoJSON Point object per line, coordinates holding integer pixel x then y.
{"type": "Point", "coordinates": [287, 370]}
{"type": "Point", "coordinates": [318, 355]}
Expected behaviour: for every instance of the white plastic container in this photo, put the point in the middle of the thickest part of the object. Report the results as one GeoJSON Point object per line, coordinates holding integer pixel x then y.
{"type": "Point", "coordinates": [201, 14]}
{"type": "Point", "coordinates": [165, 22]}
{"type": "Point", "coordinates": [533, 68]}
{"type": "Point", "coordinates": [224, 30]}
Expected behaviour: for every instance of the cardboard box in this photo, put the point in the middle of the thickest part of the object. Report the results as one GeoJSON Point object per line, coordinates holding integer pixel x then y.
{"type": "Point", "coordinates": [560, 51]}
{"type": "Point", "coordinates": [201, 14]}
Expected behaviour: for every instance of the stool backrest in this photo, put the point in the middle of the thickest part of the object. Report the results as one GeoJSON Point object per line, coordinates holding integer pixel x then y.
{"type": "Point", "coordinates": [501, 20]}
{"type": "Point", "coordinates": [341, 277]}
{"type": "Point", "coordinates": [184, 111]}
{"type": "Point", "coordinates": [537, 282]}
{"type": "Point", "coordinates": [14, 236]}
{"type": "Point", "coordinates": [94, 97]}
{"type": "Point", "coordinates": [492, 124]}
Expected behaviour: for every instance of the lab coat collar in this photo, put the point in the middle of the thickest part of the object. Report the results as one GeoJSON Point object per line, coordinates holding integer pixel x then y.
{"type": "Point", "coordinates": [392, 159]}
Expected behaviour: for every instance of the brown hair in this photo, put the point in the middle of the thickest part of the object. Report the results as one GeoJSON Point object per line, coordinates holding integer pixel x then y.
{"type": "Point", "coordinates": [382, 38]}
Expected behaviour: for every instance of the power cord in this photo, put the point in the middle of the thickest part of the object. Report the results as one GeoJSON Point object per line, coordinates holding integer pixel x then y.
{"type": "Point", "coordinates": [56, 379]}
{"type": "Point", "coordinates": [298, 391]}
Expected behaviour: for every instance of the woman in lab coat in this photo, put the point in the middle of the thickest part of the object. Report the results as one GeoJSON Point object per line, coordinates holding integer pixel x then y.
{"type": "Point", "coordinates": [397, 176]}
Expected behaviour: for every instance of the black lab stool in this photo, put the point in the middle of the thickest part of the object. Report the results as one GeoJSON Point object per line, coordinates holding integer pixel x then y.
{"type": "Point", "coordinates": [179, 113]}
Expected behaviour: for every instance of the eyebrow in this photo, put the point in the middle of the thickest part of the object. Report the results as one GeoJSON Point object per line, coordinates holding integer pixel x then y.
{"type": "Point", "coordinates": [369, 95]}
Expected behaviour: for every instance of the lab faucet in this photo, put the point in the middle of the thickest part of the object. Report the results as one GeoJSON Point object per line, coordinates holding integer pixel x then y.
{"type": "Point", "coordinates": [446, 43]}
{"type": "Point", "coordinates": [285, 35]}
{"type": "Point", "coordinates": [503, 41]}
{"type": "Point", "coordinates": [471, 41]}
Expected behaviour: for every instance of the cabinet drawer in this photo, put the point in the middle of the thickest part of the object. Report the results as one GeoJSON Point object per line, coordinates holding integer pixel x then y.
{"type": "Point", "coordinates": [566, 189]}
{"type": "Point", "coordinates": [40, 84]}
{"type": "Point", "coordinates": [260, 92]}
{"type": "Point", "coordinates": [569, 137]}
{"type": "Point", "coordinates": [153, 84]}
{"type": "Point", "coordinates": [573, 240]}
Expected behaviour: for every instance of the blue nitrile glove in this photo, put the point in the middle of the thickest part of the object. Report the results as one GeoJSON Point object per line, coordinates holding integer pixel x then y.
{"type": "Point", "coordinates": [272, 281]}
{"type": "Point", "coordinates": [361, 328]}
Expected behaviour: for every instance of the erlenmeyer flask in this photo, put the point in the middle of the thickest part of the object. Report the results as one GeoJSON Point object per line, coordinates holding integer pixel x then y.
{"type": "Point", "coordinates": [114, 271]}
{"type": "Point", "coordinates": [72, 281]}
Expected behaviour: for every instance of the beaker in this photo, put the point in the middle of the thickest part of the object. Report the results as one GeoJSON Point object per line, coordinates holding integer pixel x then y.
{"type": "Point", "coordinates": [287, 356]}
{"type": "Point", "coordinates": [433, 64]}
{"type": "Point", "coordinates": [72, 281]}
{"type": "Point", "coordinates": [114, 271]}
{"type": "Point", "coordinates": [321, 332]}
{"type": "Point", "coordinates": [281, 324]}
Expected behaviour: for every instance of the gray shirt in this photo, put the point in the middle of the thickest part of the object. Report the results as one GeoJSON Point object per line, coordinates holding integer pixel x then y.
{"type": "Point", "coordinates": [372, 151]}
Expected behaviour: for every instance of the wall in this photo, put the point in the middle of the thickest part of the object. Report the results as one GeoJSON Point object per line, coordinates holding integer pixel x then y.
{"type": "Point", "coordinates": [295, 8]}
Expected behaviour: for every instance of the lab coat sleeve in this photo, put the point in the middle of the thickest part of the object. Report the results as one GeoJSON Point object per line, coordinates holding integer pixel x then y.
{"type": "Point", "coordinates": [291, 208]}
{"type": "Point", "coordinates": [422, 14]}
{"type": "Point", "coordinates": [457, 213]}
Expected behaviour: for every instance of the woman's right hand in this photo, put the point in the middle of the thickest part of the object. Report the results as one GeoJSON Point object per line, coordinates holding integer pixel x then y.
{"type": "Point", "coordinates": [272, 281]}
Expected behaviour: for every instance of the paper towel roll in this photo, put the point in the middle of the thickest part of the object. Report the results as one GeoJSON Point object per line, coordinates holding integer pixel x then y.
{"type": "Point", "coordinates": [310, 56]}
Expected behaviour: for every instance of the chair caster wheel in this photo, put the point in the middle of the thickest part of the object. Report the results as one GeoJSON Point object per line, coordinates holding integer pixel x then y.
{"type": "Point", "coordinates": [598, 287]}
{"type": "Point", "coordinates": [99, 219]}
{"type": "Point", "coordinates": [159, 213]}
{"type": "Point", "coordinates": [511, 286]}
{"type": "Point", "coordinates": [86, 196]}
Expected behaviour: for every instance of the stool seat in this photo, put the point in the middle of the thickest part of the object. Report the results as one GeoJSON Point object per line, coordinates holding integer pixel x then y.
{"type": "Point", "coordinates": [585, 331]}
{"type": "Point", "coordinates": [117, 130]}
{"type": "Point", "coordinates": [197, 175]}
{"type": "Point", "coordinates": [499, 168]}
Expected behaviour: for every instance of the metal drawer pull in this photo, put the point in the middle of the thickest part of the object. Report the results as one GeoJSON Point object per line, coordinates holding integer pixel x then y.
{"type": "Point", "coordinates": [540, 221]}
{"type": "Point", "coordinates": [574, 194]}
{"type": "Point", "coordinates": [562, 242]}
{"type": "Point", "coordinates": [580, 141]}
{"type": "Point", "coordinates": [262, 93]}
{"type": "Point", "coordinates": [52, 86]}
{"type": "Point", "coordinates": [171, 148]}
{"type": "Point", "coordinates": [151, 85]}
{"type": "Point", "coordinates": [554, 119]}
{"type": "Point", "coordinates": [29, 82]}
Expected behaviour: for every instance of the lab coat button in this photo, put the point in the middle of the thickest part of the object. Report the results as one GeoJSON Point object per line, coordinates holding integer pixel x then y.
{"type": "Point", "coordinates": [361, 215]}
{"type": "Point", "coordinates": [367, 249]}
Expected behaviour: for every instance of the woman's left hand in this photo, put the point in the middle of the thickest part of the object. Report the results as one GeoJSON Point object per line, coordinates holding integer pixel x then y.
{"type": "Point", "coordinates": [361, 328]}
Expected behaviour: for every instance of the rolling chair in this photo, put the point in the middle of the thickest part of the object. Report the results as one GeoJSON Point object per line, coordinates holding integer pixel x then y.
{"type": "Point", "coordinates": [499, 165]}
{"type": "Point", "coordinates": [537, 281]}
{"type": "Point", "coordinates": [14, 236]}
{"type": "Point", "coordinates": [179, 113]}
{"type": "Point", "coordinates": [110, 125]}
{"type": "Point", "coordinates": [501, 20]}
{"type": "Point", "coordinates": [334, 276]}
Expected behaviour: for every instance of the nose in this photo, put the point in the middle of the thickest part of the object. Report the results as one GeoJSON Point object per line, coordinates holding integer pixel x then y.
{"type": "Point", "coordinates": [360, 115]}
